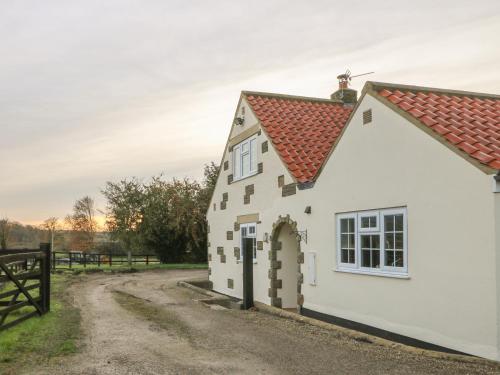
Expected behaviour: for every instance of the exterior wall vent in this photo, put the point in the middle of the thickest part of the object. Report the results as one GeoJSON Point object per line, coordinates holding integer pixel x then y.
{"type": "Point", "coordinates": [367, 116]}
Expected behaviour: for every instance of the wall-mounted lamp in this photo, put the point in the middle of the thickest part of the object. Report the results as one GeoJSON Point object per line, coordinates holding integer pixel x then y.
{"type": "Point", "coordinates": [301, 234]}
{"type": "Point", "coordinates": [308, 210]}
{"type": "Point", "coordinates": [239, 120]}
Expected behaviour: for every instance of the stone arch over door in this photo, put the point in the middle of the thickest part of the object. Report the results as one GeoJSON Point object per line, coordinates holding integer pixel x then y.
{"type": "Point", "coordinates": [275, 264]}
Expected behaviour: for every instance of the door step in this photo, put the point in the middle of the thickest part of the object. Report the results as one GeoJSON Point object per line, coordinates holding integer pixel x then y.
{"type": "Point", "coordinates": [216, 301]}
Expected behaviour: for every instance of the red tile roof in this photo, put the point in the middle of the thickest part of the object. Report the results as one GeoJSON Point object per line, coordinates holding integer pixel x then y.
{"type": "Point", "coordinates": [302, 130]}
{"type": "Point", "coordinates": [468, 121]}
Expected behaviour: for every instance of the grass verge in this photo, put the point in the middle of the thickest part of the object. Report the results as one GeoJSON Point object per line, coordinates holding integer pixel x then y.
{"type": "Point", "coordinates": [135, 268]}
{"type": "Point", "coordinates": [41, 338]}
{"type": "Point", "coordinates": [159, 316]}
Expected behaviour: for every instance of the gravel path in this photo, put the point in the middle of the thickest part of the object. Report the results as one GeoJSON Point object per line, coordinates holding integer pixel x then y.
{"type": "Point", "coordinates": [178, 335]}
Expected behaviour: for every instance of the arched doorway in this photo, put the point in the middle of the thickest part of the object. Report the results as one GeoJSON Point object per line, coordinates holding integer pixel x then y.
{"type": "Point", "coordinates": [285, 265]}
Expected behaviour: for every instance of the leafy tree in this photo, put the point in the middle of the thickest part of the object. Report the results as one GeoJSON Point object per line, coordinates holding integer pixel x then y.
{"type": "Point", "coordinates": [156, 229]}
{"type": "Point", "coordinates": [165, 217]}
{"type": "Point", "coordinates": [174, 223]}
{"type": "Point", "coordinates": [211, 172]}
{"type": "Point", "coordinates": [200, 225]}
{"type": "Point", "coordinates": [83, 224]}
{"type": "Point", "coordinates": [124, 211]}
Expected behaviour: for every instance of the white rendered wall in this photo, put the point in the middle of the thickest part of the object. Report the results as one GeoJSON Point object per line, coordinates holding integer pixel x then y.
{"type": "Point", "coordinates": [450, 298]}
{"type": "Point", "coordinates": [451, 295]}
{"type": "Point", "coordinates": [266, 201]}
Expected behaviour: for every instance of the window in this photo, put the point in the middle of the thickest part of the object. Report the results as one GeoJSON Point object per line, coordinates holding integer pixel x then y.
{"type": "Point", "coordinates": [370, 250]}
{"type": "Point", "coordinates": [368, 221]}
{"type": "Point", "coordinates": [373, 242]}
{"type": "Point", "coordinates": [248, 231]}
{"type": "Point", "coordinates": [245, 158]}
{"type": "Point", "coordinates": [347, 240]}
{"type": "Point", "coordinates": [394, 240]}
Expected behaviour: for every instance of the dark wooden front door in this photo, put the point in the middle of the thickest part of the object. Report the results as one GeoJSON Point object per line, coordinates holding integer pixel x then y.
{"type": "Point", "coordinates": [247, 250]}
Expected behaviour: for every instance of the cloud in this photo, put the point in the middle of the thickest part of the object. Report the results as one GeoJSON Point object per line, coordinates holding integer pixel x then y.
{"type": "Point", "coordinates": [93, 91]}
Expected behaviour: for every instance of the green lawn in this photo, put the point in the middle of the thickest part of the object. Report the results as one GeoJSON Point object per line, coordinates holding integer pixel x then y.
{"type": "Point", "coordinates": [78, 268]}
{"type": "Point", "coordinates": [41, 338]}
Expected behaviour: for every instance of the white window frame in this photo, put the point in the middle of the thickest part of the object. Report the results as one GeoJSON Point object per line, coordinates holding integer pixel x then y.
{"type": "Point", "coordinates": [369, 214]}
{"type": "Point", "coordinates": [339, 251]}
{"type": "Point", "coordinates": [247, 226]}
{"type": "Point", "coordinates": [239, 163]}
{"type": "Point", "coordinates": [380, 231]}
{"type": "Point", "coordinates": [404, 269]}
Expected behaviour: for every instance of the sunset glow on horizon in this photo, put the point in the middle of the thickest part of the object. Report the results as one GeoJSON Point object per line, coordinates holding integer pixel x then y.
{"type": "Point", "coordinates": [95, 92]}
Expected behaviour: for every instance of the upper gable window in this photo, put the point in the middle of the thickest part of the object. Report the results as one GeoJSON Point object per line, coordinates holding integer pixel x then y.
{"type": "Point", "coordinates": [245, 158]}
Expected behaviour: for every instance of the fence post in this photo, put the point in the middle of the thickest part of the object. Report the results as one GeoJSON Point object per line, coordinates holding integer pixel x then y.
{"type": "Point", "coordinates": [53, 260]}
{"type": "Point", "coordinates": [45, 279]}
{"type": "Point", "coordinates": [98, 260]}
{"type": "Point", "coordinates": [129, 258]}
{"type": "Point", "coordinates": [110, 259]}
{"type": "Point", "coordinates": [84, 260]}
{"type": "Point", "coordinates": [70, 259]}
{"type": "Point", "coordinates": [147, 260]}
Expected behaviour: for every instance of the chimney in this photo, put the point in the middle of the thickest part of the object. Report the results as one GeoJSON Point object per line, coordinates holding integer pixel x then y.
{"type": "Point", "coordinates": [344, 93]}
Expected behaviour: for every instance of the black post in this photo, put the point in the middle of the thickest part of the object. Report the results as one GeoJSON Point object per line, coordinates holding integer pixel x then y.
{"type": "Point", "coordinates": [247, 273]}
{"type": "Point", "coordinates": [45, 280]}
{"type": "Point", "coordinates": [84, 260]}
{"type": "Point", "coordinates": [70, 258]}
{"type": "Point", "coordinates": [53, 260]}
{"type": "Point", "coordinates": [98, 260]}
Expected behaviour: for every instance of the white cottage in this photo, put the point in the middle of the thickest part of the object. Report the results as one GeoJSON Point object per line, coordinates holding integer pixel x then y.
{"type": "Point", "coordinates": [381, 214]}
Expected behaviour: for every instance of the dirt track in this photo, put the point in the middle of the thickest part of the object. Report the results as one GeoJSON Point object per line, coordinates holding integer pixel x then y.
{"type": "Point", "coordinates": [165, 331]}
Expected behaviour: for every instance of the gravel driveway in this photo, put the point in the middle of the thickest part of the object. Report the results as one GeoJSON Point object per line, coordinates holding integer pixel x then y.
{"type": "Point", "coordinates": [144, 323]}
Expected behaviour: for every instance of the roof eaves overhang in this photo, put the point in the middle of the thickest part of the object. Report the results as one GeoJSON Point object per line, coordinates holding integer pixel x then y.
{"type": "Point", "coordinates": [372, 87]}
{"type": "Point", "coordinates": [292, 97]}
{"type": "Point", "coordinates": [381, 85]}
{"type": "Point", "coordinates": [320, 169]}
{"type": "Point", "coordinates": [244, 95]}
{"type": "Point", "coordinates": [302, 185]}
{"type": "Point", "coordinates": [224, 152]}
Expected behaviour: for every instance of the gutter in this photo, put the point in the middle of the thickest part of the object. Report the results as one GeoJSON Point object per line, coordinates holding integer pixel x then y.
{"type": "Point", "coordinates": [496, 183]}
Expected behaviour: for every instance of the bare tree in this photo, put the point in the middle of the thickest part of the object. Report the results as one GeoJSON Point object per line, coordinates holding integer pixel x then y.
{"type": "Point", "coordinates": [83, 224]}
{"type": "Point", "coordinates": [4, 233]}
{"type": "Point", "coordinates": [52, 225]}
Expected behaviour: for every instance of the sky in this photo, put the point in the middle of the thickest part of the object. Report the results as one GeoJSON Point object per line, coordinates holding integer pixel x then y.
{"type": "Point", "coordinates": [96, 91]}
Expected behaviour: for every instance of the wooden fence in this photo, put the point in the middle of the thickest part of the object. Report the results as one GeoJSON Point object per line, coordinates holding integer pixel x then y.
{"type": "Point", "coordinates": [76, 259]}
{"type": "Point", "coordinates": [24, 285]}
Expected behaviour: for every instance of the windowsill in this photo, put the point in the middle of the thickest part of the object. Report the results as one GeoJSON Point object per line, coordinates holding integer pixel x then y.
{"type": "Point", "coordinates": [244, 178]}
{"type": "Point", "coordinates": [374, 273]}
{"type": "Point", "coordinates": [240, 261]}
